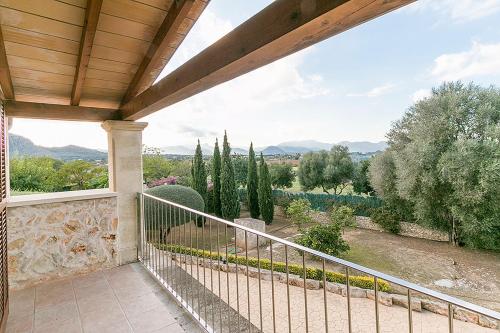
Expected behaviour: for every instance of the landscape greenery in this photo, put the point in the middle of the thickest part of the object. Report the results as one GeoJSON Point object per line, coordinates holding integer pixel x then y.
{"type": "Point", "coordinates": [441, 170]}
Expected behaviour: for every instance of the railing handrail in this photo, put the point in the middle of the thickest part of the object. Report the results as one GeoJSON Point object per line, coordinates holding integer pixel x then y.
{"type": "Point", "coordinates": [409, 285]}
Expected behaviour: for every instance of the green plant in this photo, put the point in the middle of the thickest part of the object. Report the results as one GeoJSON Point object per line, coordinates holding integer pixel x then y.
{"type": "Point", "coordinates": [343, 216]}
{"type": "Point", "coordinates": [199, 174]}
{"type": "Point", "coordinates": [326, 238]}
{"type": "Point", "coordinates": [365, 282]}
{"type": "Point", "coordinates": [282, 175]}
{"type": "Point", "coordinates": [266, 204]}
{"type": "Point", "coordinates": [283, 202]}
{"type": "Point", "coordinates": [230, 202]}
{"type": "Point", "coordinates": [387, 219]}
{"type": "Point", "coordinates": [181, 195]}
{"type": "Point", "coordinates": [252, 185]}
{"type": "Point", "coordinates": [299, 211]}
{"type": "Point", "coordinates": [216, 170]}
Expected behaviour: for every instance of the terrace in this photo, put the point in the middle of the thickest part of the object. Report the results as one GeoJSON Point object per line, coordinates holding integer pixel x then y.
{"type": "Point", "coordinates": [98, 261]}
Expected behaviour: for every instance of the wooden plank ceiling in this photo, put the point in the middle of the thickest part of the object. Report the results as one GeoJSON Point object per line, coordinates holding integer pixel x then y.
{"type": "Point", "coordinates": [87, 55]}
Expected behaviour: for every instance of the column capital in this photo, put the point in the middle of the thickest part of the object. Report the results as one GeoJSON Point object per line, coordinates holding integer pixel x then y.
{"type": "Point", "coordinates": [123, 125]}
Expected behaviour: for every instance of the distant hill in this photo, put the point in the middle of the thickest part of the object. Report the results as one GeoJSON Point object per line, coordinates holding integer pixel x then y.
{"type": "Point", "coordinates": [21, 146]}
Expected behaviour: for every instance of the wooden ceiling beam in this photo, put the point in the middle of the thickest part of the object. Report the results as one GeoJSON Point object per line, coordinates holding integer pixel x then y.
{"type": "Point", "coordinates": [86, 43]}
{"type": "Point", "coordinates": [282, 28]}
{"type": "Point", "coordinates": [154, 60]}
{"type": "Point", "coordinates": [17, 109]}
{"type": "Point", "coordinates": [5, 79]}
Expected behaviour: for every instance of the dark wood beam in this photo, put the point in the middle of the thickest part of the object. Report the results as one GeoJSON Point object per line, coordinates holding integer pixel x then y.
{"type": "Point", "coordinates": [18, 109]}
{"type": "Point", "coordinates": [5, 78]}
{"type": "Point", "coordinates": [282, 28]}
{"type": "Point", "coordinates": [154, 60]}
{"type": "Point", "coordinates": [86, 42]}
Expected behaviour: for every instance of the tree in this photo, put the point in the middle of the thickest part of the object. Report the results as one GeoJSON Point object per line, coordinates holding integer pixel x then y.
{"type": "Point", "coordinates": [299, 212]}
{"type": "Point", "coordinates": [216, 171]}
{"type": "Point", "coordinates": [199, 174]}
{"type": "Point", "coordinates": [282, 175]}
{"type": "Point", "coordinates": [343, 216]}
{"type": "Point", "coordinates": [328, 170]}
{"type": "Point", "coordinates": [265, 190]}
{"type": "Point", "coordinates": [230, 203]}
{"type": "Point", "coordinates": [252, 185]}
{"type": "Point", "coordinates": [154, 165]}
{"type": "Point", "coordinates": [34, 174]}
{"type": "Point", "coordinates": [360, 182]}
{"type": "Point", "coordinates": [78, 175]}
{"type": "Point", "coordinates": [445, 154]}
{"type": "Point", "coordinates": [240, 164]}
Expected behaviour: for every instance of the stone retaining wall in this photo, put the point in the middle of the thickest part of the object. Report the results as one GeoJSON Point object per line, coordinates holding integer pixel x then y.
{"type": "Point", "coordinates": [53, 240]}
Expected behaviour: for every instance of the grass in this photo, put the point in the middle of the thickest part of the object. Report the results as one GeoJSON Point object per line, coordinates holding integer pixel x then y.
{"type": "Point", "coordinates": [364, 256]}
{"type": "Point", "coordinates": [16, 193]}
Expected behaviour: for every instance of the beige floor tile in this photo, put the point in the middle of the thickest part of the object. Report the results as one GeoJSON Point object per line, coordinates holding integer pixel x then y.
{"type": "Point", "coordinates": [68, 326]}
{"type": "Point", "coordinates": [88, 279]}
{"type": "Point", "coordinates": [20, 324]}
{"type": "Point", "coordinates": [58, 313]}
{"type": "Point", "coordinates": [140, 304]}
{"type": "Point", "coordinates": [96, 303]}
{"type": "Point", "coordinates": [92, 321]}
{"type": "Point", "coordinates": [53, 298]}
{"type": "Point", "coordinates": [100, 288]}
{"type": "Point", "coordinates": [151, 320]}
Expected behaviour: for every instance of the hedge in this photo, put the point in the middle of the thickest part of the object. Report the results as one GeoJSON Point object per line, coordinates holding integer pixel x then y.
{"type": "Point", "coordinates": [365, 282]}
{"type": "Point", "coordinates": [323, 201]}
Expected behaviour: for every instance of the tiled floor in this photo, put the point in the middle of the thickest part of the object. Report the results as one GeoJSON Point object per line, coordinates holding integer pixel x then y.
{"type": "Point", "coordinates": [122, 299]}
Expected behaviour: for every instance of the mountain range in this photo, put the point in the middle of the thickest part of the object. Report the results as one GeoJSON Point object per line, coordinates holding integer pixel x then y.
{"type": "Point", "coordinates": [284, 148]}
{"type": "Point", "coordinates": [21, 146]}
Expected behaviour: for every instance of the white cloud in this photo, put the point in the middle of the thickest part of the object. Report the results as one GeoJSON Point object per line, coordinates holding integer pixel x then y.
{"type": "Point", "coordinates": [420, 94]}
{"type": "Point", "coordinates": [458, 11]}
{"type": "Point", "coordinates": [375, 92]}
{"type": "Point", "coordinates": [481, 59]}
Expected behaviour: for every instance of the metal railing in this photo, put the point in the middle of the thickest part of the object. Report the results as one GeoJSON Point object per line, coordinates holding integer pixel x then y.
{"type": "Point", "coordinates": [194, 256]}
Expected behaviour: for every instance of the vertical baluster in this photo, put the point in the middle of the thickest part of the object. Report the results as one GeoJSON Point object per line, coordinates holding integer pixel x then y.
{"type": "Point", "coordinates": [204, 270]}
{"type": "Point", "coordinates": [211, 273]}
{"type": "Point", "coordinates": [288, 290]}
{"type": "Point", "coordinates": [218, 275]}
{"type": "Point", "coordinates": [237, 284]}
{"type": "Point", "coordinates": [305, 289]}
{"type": "Point", "coordinates": [227, 278]}
{"type": "Point", "coordinates": [325, 302]}
{"type": "Point", "coordinates": [377, 322]}
{"type": "Point", "coordinates": [157, 237]}
{"type": "Point", "coordinates": [450, 317]}
{"type": "Point", "coordinates": [349, 320]}
{"type": "Point", "coordinates": [191, 258]}
{"type": "Point", "coordinates": [272, 282]}
{"type": "Point", "coordinates": [410, 313]}
{"type": "Point", "coordinates": [184, 244]}
{"type": "Point", "coordinates": [248, 282]}
{"type": "Point", "coordinates": [197, 267]}
{"type": "Point", "coordinates": [260, 284]}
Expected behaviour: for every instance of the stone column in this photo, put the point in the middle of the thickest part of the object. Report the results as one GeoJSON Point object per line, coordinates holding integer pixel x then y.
{"type": "Point", "coordinates": [125, 178]}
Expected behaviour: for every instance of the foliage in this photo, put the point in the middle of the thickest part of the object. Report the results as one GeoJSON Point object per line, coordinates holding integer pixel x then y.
{"type": "Point", "coordinates": [215, 172]}
{"type": "Point", "coordinates": [154, 165]}
{"type": "Point", "coordinates": [282, 175]}
{"type": "Point", "coordinates": [179, 194]}
{"type": "Point", "coordinates": [80, 175]}
{"type": "Point", "coordinates": [364, 282]}
{"type": "Point", "coordinates": [445, 152]}
{"type": "Point", "coordinates": [34, 174]}
{"type": "Point", "coordinates": [326, 238]}
{"type": "Point", "coordinates": [328, 170]}
{"type": "Point", "coordinates": [360, 182]}
{"type": "Point", "coordinates": [252, 185]}
{"type": "Point", "coordinates": [266, 204]}
{"type": "Point", "coordinates": [170, 180]}
{"type": "Point", "coordinates": [387, 219]}
{"type": "Point", "coordinates": [282, 201]}
{"type": "Point", "coordinates": [343, 216]}
{"type": "Point", "coordinates": [240, 164]}
{"type": "Point", "coordinates": [299, 211]}
{"type": "Point", "coordinates": [199, 174]}
{"type": "Point", "coordinates": [229, 196]}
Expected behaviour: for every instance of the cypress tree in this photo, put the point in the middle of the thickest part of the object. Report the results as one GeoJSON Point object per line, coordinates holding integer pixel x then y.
{"type": "Point", "coordinates": [266, 203]}
{"type": "Point", "coordinates": [216, 169]}
{"type": "Point", "coordinates": [199, 174]}
{"type": "Point", "coordinates": [230, 202]}
{"type": "Point", "coordinates": [252, 185]}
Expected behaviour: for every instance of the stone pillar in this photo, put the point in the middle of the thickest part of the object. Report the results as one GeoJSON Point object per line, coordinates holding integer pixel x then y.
{"type": "Point", "coordinates": [125, 178]}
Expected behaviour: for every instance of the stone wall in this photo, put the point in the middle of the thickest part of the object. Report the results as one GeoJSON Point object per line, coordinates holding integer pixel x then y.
{"type": "Point", "coordinates": [53, 240]}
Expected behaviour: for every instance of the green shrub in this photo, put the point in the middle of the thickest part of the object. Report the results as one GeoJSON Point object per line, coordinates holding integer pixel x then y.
{"type": "Point", "coordinates": [181, 195]}
{"type": "Point", "coordinates": [343, 216]}
{"type": "Point", "coordinates": [283, 202]}
{"type": "Point", "coordinates": [387, 219]}
{"type": "Point", "coordinates": [365, 282]}
{"type": "Point", "coordinates": [326, 238]}
{"type": "Point", "coordinates": [299, 212]}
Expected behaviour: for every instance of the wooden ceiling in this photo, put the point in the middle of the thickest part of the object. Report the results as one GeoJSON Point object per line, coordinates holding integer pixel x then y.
{"type": "Point", "coordinates": [98, 59]}
{"type": "Point", "coordinates": [89, 53]}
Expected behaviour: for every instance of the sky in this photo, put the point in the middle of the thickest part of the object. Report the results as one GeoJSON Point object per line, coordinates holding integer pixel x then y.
{"type": "Point", "coordinates": [349, 87]}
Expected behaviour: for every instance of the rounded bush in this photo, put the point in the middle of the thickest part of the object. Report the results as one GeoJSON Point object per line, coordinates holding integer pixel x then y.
{"type": "Point", "coordinates": [181, 195]}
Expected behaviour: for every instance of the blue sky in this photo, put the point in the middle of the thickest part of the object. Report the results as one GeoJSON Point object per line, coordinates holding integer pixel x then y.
{"type": "Point", "coordinates": [349, 87]}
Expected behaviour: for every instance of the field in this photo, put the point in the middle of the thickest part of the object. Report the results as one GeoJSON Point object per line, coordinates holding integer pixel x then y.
{"type": "Point", "coordinates": [296, 187]}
